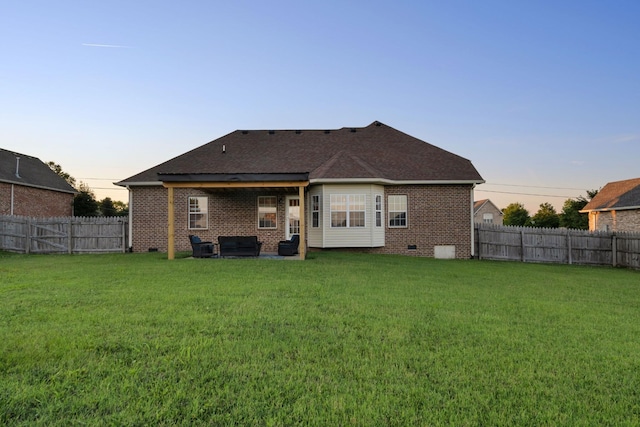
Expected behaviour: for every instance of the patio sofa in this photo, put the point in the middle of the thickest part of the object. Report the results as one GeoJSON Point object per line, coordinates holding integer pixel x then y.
{"type": "Point", "coordinates": [239, 245]}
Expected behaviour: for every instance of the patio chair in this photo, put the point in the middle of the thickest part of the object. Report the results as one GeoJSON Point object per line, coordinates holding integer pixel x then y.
{"type": "Point", "coordinates": [289, 247]}
{"type": "Point", "coordinates": [201, 249]}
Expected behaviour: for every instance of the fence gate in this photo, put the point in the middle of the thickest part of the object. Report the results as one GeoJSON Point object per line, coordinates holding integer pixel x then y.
{"type": "Point", "coordinates": [63, 234]}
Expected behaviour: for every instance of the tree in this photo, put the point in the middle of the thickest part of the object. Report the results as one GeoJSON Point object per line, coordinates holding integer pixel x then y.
{"type": "Point", "coordinates": [546, 217]}
{"type": "Point", "coordinates": [107, 208]}
{"type": "Point", "coordinates": [570, 217]}
{"type": "Point", "coordinates": [58, 170]}
{"type": "Point", "coordinates": [84, 203]}
{"type": "Point", "coordinates": [121, 207]}
{"type": "Point", "coordinates": [515, 214]}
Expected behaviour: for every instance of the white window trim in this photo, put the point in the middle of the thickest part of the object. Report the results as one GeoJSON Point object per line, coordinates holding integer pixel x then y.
{"type": "Point", "coordinates": [348, 211]}
{"type": "Point", "coordinates": [205, 213]}
{"type": "Point", "coordinates": [315, 210]}
{"type": "Point", "coordinates": [275, 210]}
{"type": "Point", "coordinates": [406, 211]}
{"type": "Point", "coordinates": [376, 210]}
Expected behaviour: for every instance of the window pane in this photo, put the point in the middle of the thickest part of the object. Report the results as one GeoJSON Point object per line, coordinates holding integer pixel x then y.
{"type": "Point", "coordinates": [356, 219]}
{"type": "Point", "coordinates": [198, 213]}
{"type": "Point", "coordinates": [267, 212]}
{"type": "Point", "coordinates": [338, 219]}
{"type": "Point", "coordinates": [397, 211]}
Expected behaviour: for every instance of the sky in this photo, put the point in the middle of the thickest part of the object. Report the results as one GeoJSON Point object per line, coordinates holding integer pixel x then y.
{"type": "Point", "coordinates": [542, 96]}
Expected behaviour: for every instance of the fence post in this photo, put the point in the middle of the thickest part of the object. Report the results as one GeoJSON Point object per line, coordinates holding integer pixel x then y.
{"type": "Point", "coordinates": [614, 249]}
{"type": "Point", "coordinates": [522, 245]}
{"type": "Point", "coordinates": [569, 255]}
{"type": "Point", "coordinates": [70, 241]}
{"type": "Point", "coordinates": [124, 237]}
{"type": "Point", "coordinates": [27, 238]}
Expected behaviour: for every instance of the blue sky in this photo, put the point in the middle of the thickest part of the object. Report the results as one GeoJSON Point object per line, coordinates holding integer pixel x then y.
{"type": "Point", "coordinates": [542, 96]}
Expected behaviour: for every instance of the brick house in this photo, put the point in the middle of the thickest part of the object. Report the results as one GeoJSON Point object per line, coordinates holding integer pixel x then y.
{"type": "Point", "coordinates": [29, 187]}
{"type": "Point", "coordinates": [616, 207]}
{"type": "Point", "coordinates": [372, 189]}
{"type": "Point", "coordinates": [484, 211]}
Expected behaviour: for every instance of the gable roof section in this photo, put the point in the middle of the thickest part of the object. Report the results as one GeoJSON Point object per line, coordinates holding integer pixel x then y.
{"type": "Point", "coordinates": [478, 204]}
{"type": "Point", "coordinates": [617, 195]}
{"type": "Point", "coordinates": [20, 169]}
{"type": "Point", "coordinates": [374, 153]}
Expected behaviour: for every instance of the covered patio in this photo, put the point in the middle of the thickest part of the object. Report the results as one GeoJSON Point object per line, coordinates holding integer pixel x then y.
{"type": "Point", "coordinates": [288, 183]}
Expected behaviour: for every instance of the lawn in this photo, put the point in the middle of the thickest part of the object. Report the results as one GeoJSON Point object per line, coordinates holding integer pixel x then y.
{"type": "Point", "coordinates": [340, 339]}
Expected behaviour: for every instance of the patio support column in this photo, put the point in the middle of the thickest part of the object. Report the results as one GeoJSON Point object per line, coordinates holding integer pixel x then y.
{"type": "Point", "coordinates": [303, 239]}
{"type": "Point", "coordinates": [170, 228]}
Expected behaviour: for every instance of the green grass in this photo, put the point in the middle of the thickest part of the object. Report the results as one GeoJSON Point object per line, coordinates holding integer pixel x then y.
{"type": "Point", "coordinates": [340, 339]}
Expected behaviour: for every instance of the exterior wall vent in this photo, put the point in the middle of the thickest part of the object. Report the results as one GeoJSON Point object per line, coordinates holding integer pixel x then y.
{"type": "Point", "coordinates": [327, 131]}
{"type": "Point", "coordinates": [271, 132]}
{"type": "Point", "coordinates": [353, 130]}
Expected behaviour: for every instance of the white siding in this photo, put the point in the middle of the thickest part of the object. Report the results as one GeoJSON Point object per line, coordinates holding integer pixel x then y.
{"type": "Point", "coordinates": [326, 236]}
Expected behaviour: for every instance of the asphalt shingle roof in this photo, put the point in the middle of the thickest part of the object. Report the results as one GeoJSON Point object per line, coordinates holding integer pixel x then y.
{"type": "Point", "coordinates": [375, 151]}
{"type": "Point", "coordinates": [16, 168]}
{"type": "Point", "coordinates": [616, 195]}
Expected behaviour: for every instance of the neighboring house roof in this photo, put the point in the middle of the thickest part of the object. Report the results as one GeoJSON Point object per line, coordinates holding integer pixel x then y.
{"type": "Point", "coordinates": [478, 204]}
{"type": "Point", "coordinates": [618, 195]}
{"type": "Point", "coordinates": [16, 168]}
{"type": "Point", "coordinates": [373, 153]}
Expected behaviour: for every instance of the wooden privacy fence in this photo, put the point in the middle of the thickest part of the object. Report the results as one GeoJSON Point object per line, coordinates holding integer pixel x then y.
{"type": "Point", "coordinates": [71, 235]}
{"type": "Point", "coordinates": [557, 245]}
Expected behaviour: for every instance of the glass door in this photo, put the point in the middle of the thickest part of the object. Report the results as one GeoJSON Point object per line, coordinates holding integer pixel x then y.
{"type": "Point", "coordinates": [293, 216]}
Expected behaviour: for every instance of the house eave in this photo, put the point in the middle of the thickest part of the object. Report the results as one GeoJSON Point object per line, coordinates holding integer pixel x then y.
{"type": "Point", "coordinates": [384, 181]}
{"type": "Point", "coordinates": [621, 208]}
{"type": "Point", "coordinates": [138, 183]}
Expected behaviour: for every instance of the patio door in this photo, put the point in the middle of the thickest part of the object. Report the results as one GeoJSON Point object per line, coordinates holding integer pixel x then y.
{"type": "Point", "coordinates": [292, 216]}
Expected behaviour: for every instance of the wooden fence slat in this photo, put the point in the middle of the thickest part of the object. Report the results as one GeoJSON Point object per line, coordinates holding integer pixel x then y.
{"type": "Point", "coordinates": [63, 234]}
{"type": "Point", "coordinates": [529, 244]}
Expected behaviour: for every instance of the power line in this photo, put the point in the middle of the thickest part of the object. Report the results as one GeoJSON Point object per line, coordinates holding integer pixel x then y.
{"type": "Point", "coordinates": [534, 186]}
{"type": "Point", "coordinates": [525, 194]}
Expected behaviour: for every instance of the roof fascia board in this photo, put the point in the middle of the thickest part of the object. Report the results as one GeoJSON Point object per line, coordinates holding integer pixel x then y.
{"type": "Point", "coordinates": [235, 184]}
{"type": "Point", "coordinates": [138, 183]}
{"type": "Point", "coordinates": [624, 208]}
{"type": "Point", "coordinates": [390, 181]}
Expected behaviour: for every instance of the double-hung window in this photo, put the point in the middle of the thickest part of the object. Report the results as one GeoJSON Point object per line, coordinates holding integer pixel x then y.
{"type": "Point", "coordinates": [378, 210]}
{"type": "Point", "coordinates": [198, 213]}
{"type": "Point", "coordinates": [397, 205]}
{"type": "Point", "coordinates": [315, 211]}
{"type": "Point", "coordinates": [267, 212]}
{"type": "Point", "coordinates": [347, 210]}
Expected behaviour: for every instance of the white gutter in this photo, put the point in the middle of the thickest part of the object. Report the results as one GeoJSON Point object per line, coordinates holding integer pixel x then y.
{"type": "Point", "coordinates": [390, 181]}
{"type": "Point", "coordinates": [625, 208]}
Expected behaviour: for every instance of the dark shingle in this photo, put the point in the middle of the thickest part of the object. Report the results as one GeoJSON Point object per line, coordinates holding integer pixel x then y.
{"type": "Point", "coordinates": [376, 151]}
{"type": "Point", "coordinates": [616, 195]}
{"type": "Point", "coordinates": [16, 168]}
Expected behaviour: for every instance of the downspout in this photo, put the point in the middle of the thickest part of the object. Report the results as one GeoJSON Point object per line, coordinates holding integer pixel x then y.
{"type": "Point", "coordinates": [130, 219]}
{"type": "Point", "coordinates": [473, 243]}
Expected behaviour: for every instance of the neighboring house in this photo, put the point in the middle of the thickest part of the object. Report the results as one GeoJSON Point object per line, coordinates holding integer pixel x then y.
{"type": "Point", "coordinates": [29, 187]}
{"type": "Point", "coordinates": [616, 207]}
{"type": "Point", "coordinates": [374, 188]}
{"type": "Point", "coordinates": [486, 212]}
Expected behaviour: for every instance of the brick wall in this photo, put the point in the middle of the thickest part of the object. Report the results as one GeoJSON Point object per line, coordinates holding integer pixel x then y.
{"type": "Point", "coordinates": [231, 213]}
{"type": "Point", "coordinates": [35, 202]}
{"type": "Point", "coordinates": [437, 215]}
{"type": "Point", "coordinates": [626, 220]}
